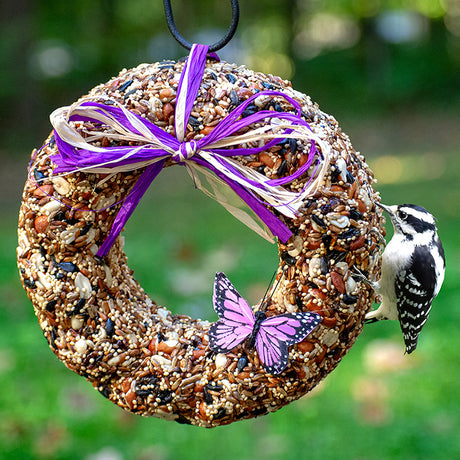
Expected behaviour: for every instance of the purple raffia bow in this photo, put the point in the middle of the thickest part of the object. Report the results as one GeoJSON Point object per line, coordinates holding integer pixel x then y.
{"type": "Point", "coordinates": [155, 146]}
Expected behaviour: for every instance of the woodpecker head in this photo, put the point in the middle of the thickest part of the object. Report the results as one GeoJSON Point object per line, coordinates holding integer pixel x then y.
{"type": "Point", "coordinates": [410, 219]}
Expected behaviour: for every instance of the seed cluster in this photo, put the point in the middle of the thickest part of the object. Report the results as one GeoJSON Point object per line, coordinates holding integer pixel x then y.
{"type": "Point", "coordinates": [101, 324]}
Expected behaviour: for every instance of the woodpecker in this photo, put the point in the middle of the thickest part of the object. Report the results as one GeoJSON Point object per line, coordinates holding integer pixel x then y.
{"type": "Point", "coordinates": [413, 266]}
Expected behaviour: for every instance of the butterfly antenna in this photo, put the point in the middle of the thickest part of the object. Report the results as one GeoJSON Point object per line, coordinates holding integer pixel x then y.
{"type": "Point", "coordinates": [265, 301]}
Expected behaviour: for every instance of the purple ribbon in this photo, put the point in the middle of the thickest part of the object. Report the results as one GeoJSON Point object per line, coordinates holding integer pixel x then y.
{"type": "Point", "coordinates": [70, 158]}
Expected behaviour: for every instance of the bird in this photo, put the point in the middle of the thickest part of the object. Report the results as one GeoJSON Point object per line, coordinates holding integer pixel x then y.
{"type": "Point", "coordinates": [413, 267]}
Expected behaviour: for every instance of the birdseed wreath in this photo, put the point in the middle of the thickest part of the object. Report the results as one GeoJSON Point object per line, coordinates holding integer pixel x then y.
{"type": "Point", "coordinates": [233, 129]}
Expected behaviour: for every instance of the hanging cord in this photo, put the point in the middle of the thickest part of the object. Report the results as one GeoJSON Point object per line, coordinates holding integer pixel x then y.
{"type": "Point", "coordinates": [215, 46]}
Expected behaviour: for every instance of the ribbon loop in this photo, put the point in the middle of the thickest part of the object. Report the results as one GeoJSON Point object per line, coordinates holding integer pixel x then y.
{"type": "Point", "coordinates": [185, 152]}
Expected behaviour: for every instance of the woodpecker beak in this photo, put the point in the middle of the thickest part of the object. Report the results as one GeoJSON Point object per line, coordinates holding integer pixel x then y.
{"type": "Point", "coordinates": [391, 210]}
{"type": "Point", "coordinates": [386, 208]}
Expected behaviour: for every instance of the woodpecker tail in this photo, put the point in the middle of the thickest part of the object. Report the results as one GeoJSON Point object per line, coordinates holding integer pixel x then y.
{"type": "Point", "coordinates": [410, 340]}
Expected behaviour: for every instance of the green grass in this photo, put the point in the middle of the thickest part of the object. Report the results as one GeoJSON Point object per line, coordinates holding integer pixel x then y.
{"type": "Point", "coordinates": [406, 412]}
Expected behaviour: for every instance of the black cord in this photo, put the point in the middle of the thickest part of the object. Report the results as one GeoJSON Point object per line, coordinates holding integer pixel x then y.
{"type": "Point", "coordinates": [215, 46]}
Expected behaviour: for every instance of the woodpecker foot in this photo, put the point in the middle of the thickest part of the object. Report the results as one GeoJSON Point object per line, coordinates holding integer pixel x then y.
{"type": "Point", "coordinates": [380, 238]}
{"type": "Point", "coordinates": [360, 276]}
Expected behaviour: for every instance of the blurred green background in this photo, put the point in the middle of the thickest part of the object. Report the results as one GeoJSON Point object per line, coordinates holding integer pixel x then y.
{"type": "Point", "coordinates": [388, 70]}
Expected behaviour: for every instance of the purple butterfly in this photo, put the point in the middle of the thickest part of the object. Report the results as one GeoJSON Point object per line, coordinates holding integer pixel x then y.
{"type": "Point", "coordinates": [271, 336]}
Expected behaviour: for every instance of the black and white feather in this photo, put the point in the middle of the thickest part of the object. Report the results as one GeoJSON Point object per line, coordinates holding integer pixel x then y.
{"type": "Point", "coordinates": [413, 266]}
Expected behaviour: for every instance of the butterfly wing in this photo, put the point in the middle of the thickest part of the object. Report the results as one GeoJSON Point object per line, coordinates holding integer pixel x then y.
{"type": "Point", "coordinates": [272, 352]}
{"type": "Point", "coordinates": [277, 333]}
{"type": "Point", "coordinates": [236, 319]}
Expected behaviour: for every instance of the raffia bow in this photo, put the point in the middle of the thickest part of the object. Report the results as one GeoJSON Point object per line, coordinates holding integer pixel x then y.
{"type": "Point", "coordinates": [210, 155]}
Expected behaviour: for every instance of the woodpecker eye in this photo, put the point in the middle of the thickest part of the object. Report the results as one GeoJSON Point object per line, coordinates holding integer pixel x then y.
{"type": "Point", "coordinates": [402, 214]}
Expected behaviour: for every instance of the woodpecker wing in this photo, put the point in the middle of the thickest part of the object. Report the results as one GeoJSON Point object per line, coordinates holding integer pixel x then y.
{"type": "Point", "coordinates": [415, 287]}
